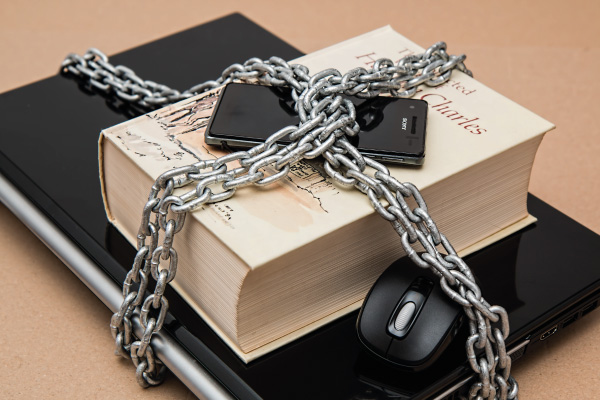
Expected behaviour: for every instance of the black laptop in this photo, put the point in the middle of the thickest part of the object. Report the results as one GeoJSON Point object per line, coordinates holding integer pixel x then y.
{"type": "Point", "coordinates": [542, 279]}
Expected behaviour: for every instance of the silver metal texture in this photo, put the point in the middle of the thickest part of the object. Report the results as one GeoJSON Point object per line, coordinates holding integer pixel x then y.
{"type": "Point", "coordinates": [177, 359]}
{"type": "Point", "coordinates": [326, 119]}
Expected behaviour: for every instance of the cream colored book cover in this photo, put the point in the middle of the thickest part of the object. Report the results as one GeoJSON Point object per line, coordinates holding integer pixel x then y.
{"type": "Point", "coordinates": [468, 124]}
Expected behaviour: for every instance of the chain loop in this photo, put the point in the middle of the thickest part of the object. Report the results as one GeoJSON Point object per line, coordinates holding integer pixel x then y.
{"type": "Point", "coordinates": [326, 119]}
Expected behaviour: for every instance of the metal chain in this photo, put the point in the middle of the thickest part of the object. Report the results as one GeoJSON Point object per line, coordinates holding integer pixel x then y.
{"type": "Point", "coordinates": [326, 119]}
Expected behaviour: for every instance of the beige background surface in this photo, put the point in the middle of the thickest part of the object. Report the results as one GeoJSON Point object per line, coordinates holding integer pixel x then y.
{"type": "Point", "coordinates": [54, 337]}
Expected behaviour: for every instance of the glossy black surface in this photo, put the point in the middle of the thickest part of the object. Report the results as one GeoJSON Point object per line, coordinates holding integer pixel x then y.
{"type": "Point", "coordinates": [390, 128]}
{"type": "Point", "coordinates": [433, 326]}
{"type": "Point", "coordinates": [48, 149]}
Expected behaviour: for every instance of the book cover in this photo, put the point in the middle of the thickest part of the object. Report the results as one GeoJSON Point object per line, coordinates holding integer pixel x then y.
{"type": "Point", "coordinates": [469, 135]}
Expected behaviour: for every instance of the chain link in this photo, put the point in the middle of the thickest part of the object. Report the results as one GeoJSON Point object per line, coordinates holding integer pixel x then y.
{"type": "Point", "coordinates": [326, 121]}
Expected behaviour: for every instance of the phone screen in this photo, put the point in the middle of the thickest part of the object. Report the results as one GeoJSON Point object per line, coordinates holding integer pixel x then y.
{"type": "Point", "coordinates": [392, 129]}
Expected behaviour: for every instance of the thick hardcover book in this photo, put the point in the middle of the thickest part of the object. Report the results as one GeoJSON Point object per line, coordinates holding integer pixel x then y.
{"type": "Point", "coordinates": [270, 265]}
{"type": "Point", "coordinates": [48, 152]}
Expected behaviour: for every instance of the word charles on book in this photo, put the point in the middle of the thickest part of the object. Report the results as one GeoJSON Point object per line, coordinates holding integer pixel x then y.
{"type": "Point", "coordinates": [436, 101]}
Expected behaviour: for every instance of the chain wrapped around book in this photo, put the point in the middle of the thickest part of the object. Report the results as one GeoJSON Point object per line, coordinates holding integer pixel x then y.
{"type": "Point", "coordinates": [326, 121]}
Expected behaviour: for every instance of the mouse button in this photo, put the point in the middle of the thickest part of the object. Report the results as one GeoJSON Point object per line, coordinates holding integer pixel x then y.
{"type": "Point", "coordinates": [422, 345]}
{"type": "Point", "coordinates": [383, 298]}
{"type": "Point", "coordinates": [379, 305]}
{"type": "Point", "coordinates": [375, 311]}
{"type": "Point", "coordinates": [405, 316]}
{"type": "Point", "coordinates": [442, 311]}
{"type": "Point", "coordinates": [438, 316]}
{"type": "Point", "coordinates": [431, 332]}
{"type": "Point", "coordinates": [405, 313]}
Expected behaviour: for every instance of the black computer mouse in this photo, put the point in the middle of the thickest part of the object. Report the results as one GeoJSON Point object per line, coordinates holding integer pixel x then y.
{"type": "Point", "coordinates": [406, 318]}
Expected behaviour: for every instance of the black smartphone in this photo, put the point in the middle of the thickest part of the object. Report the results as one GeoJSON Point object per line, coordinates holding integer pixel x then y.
{"type": "Point", "coordinates": [392, 129]}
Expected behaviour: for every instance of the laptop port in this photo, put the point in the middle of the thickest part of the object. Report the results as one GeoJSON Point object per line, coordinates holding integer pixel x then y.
{"type": "Point", "coordinates": [549, 332]}
{"type": "Point", "coordinates": [589, 308]}
{"type": "Point", "coordinates": [570, 320]}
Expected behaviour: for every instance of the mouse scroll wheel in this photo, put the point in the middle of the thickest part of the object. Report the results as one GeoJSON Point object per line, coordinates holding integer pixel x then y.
{"type": "Point", "coordinates": [405, 316]}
